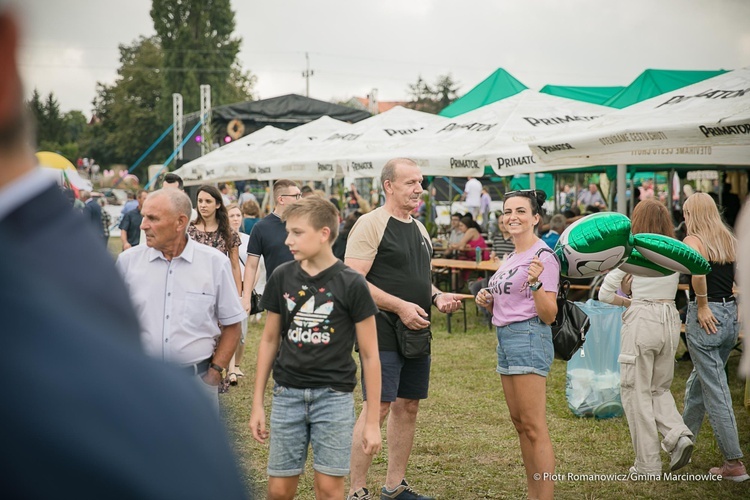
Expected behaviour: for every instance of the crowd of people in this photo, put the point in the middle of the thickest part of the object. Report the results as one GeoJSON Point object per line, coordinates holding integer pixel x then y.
{"type": "Point", "coordinates": [115, 387]}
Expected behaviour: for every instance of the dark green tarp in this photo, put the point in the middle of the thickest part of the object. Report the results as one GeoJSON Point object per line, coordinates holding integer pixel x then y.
{"type": "Point", "coordinates": [594, 95]}
{"type": "Point", "coordinates": [497, 86]}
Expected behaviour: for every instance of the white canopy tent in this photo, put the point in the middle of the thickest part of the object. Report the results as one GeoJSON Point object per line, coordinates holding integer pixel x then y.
{"type": "Point", "coordinates": [271, 163]}
{"type": "Point", "coordinates": [440, 148]}
{"type": "Point", "coordinates": [212, 167]}
{"type": "Point", "coordinates": [532, 116]}
{"type": "Point", "coordinates": [360, 150]}
{"type": "Point", "coordinates": [243, 162]}
{"type": "Point", "coordinates": [704, 123]}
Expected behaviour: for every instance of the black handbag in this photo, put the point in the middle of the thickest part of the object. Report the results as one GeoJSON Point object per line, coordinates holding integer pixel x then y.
{"type": "Point", "coordinates": [413, 343]}
{"type": "Point", "coordinates": [570, 326]}
{"type": "Point", "coordinates": [255, 307]}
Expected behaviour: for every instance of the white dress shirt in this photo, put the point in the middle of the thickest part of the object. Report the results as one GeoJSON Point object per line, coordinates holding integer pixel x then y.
{"type": "Point", "coordinates": [181, 303]}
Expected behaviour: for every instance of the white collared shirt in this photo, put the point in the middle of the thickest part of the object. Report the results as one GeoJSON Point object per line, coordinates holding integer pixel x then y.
{"type": "Point", "coordinates": [180, 303]}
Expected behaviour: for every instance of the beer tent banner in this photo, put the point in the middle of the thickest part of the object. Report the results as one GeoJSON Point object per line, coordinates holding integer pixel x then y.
{"type": "Point", "coordinates": [359, 151]}
{"type": "Point", "coordinates": [212, 167]}
{"type": "Point", "coordinates": [532, 115]}
{"type": "Point", "coordinates": [705, 123]}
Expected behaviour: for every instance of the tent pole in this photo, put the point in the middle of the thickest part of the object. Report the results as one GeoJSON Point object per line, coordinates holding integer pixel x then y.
{"type": "Point", "coordinates": [532, 180]}
{"type": "Point", "coordinates": [556, 189]}
{"type": "Point", "coordinates": [670, 192]}
{"type": "Point", "coordinates": [622, 172]}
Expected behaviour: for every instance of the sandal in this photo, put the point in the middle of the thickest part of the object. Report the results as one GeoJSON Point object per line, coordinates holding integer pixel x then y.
{"type": "Point", "coordinates": [237, 371]}
{"type": "Point", "coordinates": [232, 377]}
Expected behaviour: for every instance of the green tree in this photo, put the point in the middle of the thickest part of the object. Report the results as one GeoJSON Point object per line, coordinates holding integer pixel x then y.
{"type": "Point", "coordinates": [128, 113]}
{"type": "Point", "coordinates": [199, 49]}
{"type": "Point", "coordinates": [432, 98]}
{"type": "Point", "coordinates": [55, 131]}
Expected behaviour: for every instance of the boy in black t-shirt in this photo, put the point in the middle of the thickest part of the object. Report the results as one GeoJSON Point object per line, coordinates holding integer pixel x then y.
{"type": "Point", "coordinates": [316, 308]}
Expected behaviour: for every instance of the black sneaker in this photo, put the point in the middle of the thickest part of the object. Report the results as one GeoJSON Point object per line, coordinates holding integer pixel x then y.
{"type": "Point", "coordinates": [402, 492]}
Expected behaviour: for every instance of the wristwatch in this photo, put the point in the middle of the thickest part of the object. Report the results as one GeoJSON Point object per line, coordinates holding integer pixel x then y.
{"type": "Point", "coordinates": [222, 371]}
{"type": "Point", "coordinates": [435, 296]}
{"type": "Point", "coordinates": [536, 286]}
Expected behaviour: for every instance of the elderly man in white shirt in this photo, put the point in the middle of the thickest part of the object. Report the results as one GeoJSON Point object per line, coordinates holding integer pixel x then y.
{"type": "Point", "coordinates": [182, 291]}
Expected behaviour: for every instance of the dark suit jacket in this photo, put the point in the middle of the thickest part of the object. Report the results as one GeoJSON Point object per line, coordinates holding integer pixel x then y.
{"type": "Point", "coordinates": [93, 213]}
{"type": "Point", "coordinates": [86, 413]}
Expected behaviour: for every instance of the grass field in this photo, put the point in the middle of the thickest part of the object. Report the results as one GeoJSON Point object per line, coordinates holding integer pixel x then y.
{"type": "Point", "coordinates": [467, 448]}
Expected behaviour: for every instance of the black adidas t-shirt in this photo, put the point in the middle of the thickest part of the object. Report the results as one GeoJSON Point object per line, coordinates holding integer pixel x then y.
{"type": "Point", "coordinates": [400, 252]}
{"type": "Point", "coordinates": [316, 349]}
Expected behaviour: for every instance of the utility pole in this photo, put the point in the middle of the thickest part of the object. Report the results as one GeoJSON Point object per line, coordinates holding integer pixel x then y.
{"type": "Point", "coordinates": [306, 75]}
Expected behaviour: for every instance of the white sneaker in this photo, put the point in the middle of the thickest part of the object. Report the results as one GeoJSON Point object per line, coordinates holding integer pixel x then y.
{"type": "Point", "coordinates": [681, 453]}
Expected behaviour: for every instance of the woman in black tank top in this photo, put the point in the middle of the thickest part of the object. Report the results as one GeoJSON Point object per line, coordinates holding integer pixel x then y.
{"type": "Point", "coordinates": [712, 331]}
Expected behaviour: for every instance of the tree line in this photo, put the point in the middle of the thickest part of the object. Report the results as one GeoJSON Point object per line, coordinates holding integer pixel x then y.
{"type": "Point", "coordinates": [194, 45]}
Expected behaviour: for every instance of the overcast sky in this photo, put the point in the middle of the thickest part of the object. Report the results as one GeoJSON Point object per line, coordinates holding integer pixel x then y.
{"type": "Point", "coordinates": [355, 46]}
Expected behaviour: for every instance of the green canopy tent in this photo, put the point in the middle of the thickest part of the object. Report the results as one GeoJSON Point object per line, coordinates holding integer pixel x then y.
{"type": "Point", "coordinates": [654, 82]}
{"type": "Point", "coordinates": [497, 86]}
{"type": "Point", "coordinates": [594, 95]}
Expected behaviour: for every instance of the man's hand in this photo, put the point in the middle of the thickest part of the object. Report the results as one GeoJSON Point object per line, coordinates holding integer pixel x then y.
{"type": "Point", "coordinates": [126, 245]}
{"type": "Point", "coordinates": [212, 377]}
{"type": "Point", "coordinates": [447, 303]}
{"type": "Point", "coordinates": [413, 316]}
{"type": "Point", "coordinates": [371, 440]}
{"type": "Point", "coordinates": [258, 424]}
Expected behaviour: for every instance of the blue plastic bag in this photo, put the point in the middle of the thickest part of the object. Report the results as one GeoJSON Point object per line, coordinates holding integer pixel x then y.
{"type": "Point", "coordinates": [593, 376]}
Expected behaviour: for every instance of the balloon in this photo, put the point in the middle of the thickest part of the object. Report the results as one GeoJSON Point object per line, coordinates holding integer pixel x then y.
{"type": "Point", "coordinates": [594, 245]}
{"type": "Point", "coordinates": [671, 253]}
{"type": "Point", "coordinates": [638, 265]}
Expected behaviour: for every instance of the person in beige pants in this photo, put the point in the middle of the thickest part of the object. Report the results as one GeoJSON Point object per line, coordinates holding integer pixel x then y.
{"type": "Point", "coordinates": [649, 339]}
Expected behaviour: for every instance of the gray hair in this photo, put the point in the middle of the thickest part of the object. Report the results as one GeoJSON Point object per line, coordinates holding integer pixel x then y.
{"type": "Point", "coordinates": [558, 223]}
{"type": "Point", "coordinates": [178, 200]}
{"type": "Point", "coordinates": [389, 169]}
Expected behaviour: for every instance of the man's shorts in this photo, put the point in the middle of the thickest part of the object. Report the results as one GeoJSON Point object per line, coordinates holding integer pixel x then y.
{"type": "Point", "coordinates": [524, 347]}
{"type": "Point", "coordinates": [321, 416]}
{"type": "Point", "coordinates": [407, 378]}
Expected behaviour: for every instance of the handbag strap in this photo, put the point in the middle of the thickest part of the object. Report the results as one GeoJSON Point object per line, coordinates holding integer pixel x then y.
{"type": "Point", "coordinates": [562, 292]}
{"type": "Point", "coordinates": [307, 297]}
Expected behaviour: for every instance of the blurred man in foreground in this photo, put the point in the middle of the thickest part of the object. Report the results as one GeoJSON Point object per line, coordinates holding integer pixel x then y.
{"type": "Point", "coordinates": [87, 414]}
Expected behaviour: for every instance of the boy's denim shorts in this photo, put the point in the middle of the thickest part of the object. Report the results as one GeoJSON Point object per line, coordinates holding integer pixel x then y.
{"type": "Point", "coordinates": [524, 347]}
{"type": "Point", "coordinates": [299, 417]}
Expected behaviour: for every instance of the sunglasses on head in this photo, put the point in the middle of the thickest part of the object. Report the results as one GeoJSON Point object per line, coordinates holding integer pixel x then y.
{"type": "Point", "coordinates": [537, 194]}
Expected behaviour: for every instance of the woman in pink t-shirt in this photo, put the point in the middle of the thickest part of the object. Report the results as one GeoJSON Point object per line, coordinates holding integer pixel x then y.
{"type": "Point", "coordinates": [522, 298]}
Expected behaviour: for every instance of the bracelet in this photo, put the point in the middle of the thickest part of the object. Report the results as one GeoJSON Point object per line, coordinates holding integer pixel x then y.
{"type": "Point", "coordinates": [699, 295]}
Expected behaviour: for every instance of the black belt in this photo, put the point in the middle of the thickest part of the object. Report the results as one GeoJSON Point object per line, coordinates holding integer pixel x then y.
{"type": "Point", "coordinates": [196, 369]}
{"type": "Point", "coordinates": [731, 298]}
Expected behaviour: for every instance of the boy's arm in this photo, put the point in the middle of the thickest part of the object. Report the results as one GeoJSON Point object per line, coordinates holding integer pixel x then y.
{"type": "Point", "coordinates": [367, 338]}
{"type": "Point", "coordinates": [269, 345]}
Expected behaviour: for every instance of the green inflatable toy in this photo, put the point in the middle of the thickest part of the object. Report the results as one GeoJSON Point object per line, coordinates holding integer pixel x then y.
{"type": "Point", "coordinates": [638, 265]}
{"type": "Point", "coordinates": [594, 245]}
{"type": "Point", "coordinates": [671, 253]}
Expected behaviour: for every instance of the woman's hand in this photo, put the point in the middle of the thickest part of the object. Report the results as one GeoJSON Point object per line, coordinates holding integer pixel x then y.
{"type": "Point", "coordinates": [626, 285]}
{"type": "Point", "coordinates": [535, 270]}
{"type": "Point", "coordinates": [707, 320]}
{"type": "Point", "coordinates": [484, 299]}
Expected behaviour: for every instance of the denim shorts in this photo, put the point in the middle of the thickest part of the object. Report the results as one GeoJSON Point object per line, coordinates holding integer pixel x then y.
{"type": "Point", "coordinates": [401, 377]}
{"type": "Point", "coordinates": [299, 417]}
{"type": "Point", "coordinates": [524, 347]}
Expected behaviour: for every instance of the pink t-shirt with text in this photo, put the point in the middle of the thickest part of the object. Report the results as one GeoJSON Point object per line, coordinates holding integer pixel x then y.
{"type": "Point", "coordinates": [512, 297]}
